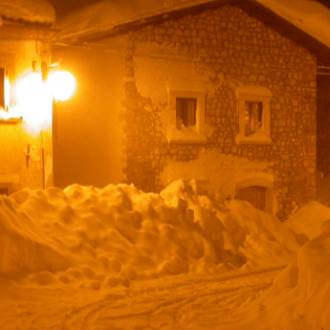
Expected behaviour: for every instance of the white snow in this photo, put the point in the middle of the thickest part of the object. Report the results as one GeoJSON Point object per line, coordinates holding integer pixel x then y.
{"type": "Point", "coordinates": [119, 258]}
{"type": "Point", "coordinates": [128, 234]}
{"type": "Point", "coordinates": [104, 14]}
{"type": "Point", "coordinates": [308, 15]}
{"type": "Point", "coordinates": [299, 296]}
{"type": "Point", "coordinates": [308, 221]}
{"type": "Point", "coordinates": [36, 11]}
{"type": "Point", "coordinates": [219, 174]}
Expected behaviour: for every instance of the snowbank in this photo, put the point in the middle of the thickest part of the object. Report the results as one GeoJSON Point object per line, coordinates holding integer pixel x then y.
{"type": "Point", "coordinates": [308, 221]}
{"type": "Point", "coordinates": [84, 237]}
{"type": "Point", "coordinates": [217, 173]}
{"type": "Point", "coordinates": [299, 297]}
{"type": "Point", "coordinates": [116, 234]}
{"type": "Point", "coordinates": [22, 247]}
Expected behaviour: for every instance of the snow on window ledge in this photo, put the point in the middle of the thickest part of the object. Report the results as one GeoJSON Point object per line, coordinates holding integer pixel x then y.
{"type": "Point", "coordinates": [185, 135]}
{"type": "Point", "coordinates": [256, 138]}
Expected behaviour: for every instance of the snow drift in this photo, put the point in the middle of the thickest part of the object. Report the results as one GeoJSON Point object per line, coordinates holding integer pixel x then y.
{"type": "Point", "coordinates": [299, 296]}
{"type": "Point", "coordinates": [22, 248]}
{"type": "Point", "coordinates": [119, 233]}
{"type": "Point", "coordinates": [85, 237]}
{"type": "Point", "coordinates": [308, 221]}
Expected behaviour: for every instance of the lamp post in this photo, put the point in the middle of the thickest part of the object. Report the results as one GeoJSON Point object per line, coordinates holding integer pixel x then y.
{"type": "Point", "coordinates": [38, 91]}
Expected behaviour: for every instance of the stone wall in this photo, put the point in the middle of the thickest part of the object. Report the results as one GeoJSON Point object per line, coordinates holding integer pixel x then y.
{"type": "Point", "coordinates": [323, 124]}
{"type": "Point", "coordinates": [221, 49]}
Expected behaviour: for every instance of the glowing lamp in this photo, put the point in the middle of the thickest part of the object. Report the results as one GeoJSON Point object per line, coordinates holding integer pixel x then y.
{"type": "Point", "coordinates": [34, 101]}
{"type": "Point", "coordinates": [62, 84]}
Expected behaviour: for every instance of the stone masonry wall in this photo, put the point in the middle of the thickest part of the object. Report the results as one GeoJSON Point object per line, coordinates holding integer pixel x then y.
{"type": "Point", "coordinates": [323, 122]}
{"type": "Point", "coordinates": [227, 48]}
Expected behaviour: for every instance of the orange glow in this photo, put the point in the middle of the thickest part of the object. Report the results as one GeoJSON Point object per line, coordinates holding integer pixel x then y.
{"type": "Point", "coordinates": [62, 84]}
{"type": "Point", "coordinates": [4, 114]}
{"type": "Point", "coordinates": [7, 91]}
{"type": "Point", "coordinates": [34, 101]}
{"type": "Point", "coordinates": [34, 97]}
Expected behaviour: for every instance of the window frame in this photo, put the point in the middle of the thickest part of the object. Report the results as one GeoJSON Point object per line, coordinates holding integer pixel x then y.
{"type": "Point", "coordinates": [254, 94]}
{"type": "Point", "coordinates": [191, 134]}
{"type": "Point", "coordinates": [185, 106]}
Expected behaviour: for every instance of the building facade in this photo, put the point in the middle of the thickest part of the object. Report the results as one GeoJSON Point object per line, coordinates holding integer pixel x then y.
{"type": "Point", "coordinates": [219, 90]}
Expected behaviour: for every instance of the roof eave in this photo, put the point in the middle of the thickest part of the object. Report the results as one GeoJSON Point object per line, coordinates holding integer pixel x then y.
{"type": "Point", "coordinates": [17, 29]}
{"type": "Point", "coordinates": [92, 35]}
{"type": "Point", "coordinates": [253, 8]}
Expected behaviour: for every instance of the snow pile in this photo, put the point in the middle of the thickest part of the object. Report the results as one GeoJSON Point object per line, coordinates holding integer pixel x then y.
{"type": "Point", "coordinates": [116, 234]}
{"type": "Point", "coordinates": [308, 221]}
{"type": "Point", "coordinates": [22, 247]}
{"type": "Point", "coordinates": [36, 11]}
{"type": "Point", "coordinates": [219, 174]}
{"type": "Point", "coordinates": [299, 296]}
{"type": "Point", "coordinates": [263, 240]}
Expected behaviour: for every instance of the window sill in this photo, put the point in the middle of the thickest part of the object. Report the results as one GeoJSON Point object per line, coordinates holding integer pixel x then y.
{"type": "Point", "coordinates": [257, 138]}
{"type": "Point", "coordinates": [186, 136]}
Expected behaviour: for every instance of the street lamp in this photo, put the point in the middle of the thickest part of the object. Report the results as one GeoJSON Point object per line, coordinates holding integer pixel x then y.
{"type": "Point", "coordinates": [35, 95]}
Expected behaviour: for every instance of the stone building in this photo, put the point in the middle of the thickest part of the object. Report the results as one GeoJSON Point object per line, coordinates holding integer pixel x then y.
{"type": "Point", "coordinates": [223, 92]}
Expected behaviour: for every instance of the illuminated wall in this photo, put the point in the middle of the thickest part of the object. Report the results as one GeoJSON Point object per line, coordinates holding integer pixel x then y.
{"type": "Point", "coordinates": [87, 129]}
{"type": "Point", "coordinates": [21, 162]}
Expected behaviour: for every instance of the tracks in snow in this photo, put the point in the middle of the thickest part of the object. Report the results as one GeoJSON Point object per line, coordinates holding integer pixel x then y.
{"type": "Point", "coordinates": [172, 303]}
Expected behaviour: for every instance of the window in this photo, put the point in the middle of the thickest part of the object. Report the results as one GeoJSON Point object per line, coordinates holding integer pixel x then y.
{"type": "Point", "coordinates": [254, 115]}
{"type": "Point", "coordinates": [186, 112]}
{"type": "Point", "coordinates": [186, 117]}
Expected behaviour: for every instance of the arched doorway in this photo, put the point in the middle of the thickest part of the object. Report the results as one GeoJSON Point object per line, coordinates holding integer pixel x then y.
{"type": "Point", "coordinates": [257, 189]}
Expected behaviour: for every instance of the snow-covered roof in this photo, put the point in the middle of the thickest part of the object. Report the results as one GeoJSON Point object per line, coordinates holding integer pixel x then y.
{"type": "Point", "coordinates": [106, 14]}
{"type": "Point", "coordinates": [308, 15]}
{"type": "Point", "coordinates": [30, 11]}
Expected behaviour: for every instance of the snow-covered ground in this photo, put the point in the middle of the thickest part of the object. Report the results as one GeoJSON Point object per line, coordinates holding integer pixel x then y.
{"type": "Point", "coordinates": [119, 258]}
